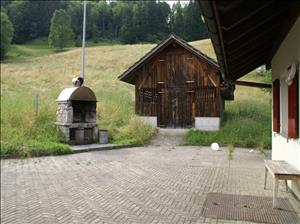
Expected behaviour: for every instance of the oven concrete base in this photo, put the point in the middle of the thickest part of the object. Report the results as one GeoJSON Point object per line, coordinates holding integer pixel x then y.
{"type": "Point", "coordinates": [80, 136]}
{"type": "Point", "coordinates": [207, 123]}
{"type": "Point", "coordinates": [150, 120]}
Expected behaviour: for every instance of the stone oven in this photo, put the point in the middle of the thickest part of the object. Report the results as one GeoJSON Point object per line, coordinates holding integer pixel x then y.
{"type": "Point", "coordinates": [76, 115]}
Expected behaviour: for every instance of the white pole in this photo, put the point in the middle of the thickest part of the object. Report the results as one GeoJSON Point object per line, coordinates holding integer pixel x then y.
{"type": "Point", "coordinates": [83, 40]}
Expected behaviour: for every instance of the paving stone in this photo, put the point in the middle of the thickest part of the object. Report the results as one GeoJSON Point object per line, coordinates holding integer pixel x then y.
{"type": "Point", "coordinates": [132, 185]}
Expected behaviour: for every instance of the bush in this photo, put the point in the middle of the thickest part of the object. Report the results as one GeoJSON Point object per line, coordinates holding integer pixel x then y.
{"type": "Point", "coordinates": [6, 33]}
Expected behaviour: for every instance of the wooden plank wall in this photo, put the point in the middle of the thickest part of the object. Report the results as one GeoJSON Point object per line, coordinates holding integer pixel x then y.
{"type": "Point", "coordinates": [178, 87]}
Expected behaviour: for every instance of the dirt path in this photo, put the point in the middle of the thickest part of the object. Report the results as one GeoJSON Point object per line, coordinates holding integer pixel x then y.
{"type": "Point", "coordinates": [168, 137]}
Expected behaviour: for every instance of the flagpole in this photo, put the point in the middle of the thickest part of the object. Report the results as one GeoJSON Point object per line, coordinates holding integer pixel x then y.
{"type": "Point", "coordinates": [83, 40]}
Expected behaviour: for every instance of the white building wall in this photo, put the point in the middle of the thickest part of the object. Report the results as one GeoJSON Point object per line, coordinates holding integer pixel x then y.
{"type": "Point", "coordinates": [150, 120]}
{"type": "Point", "coordinates": [207, 123]}
{"type": "Point", "coordinates": [282, 147]}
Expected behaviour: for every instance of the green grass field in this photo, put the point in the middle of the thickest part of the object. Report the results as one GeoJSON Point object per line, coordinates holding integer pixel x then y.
{"type": "Point", "coordinates": [35, 69]}
{"type": "Point", "coordinates": [246, 121]}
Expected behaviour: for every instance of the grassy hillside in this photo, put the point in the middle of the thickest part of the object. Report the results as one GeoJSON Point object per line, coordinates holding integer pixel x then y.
{"type": "Point", "coordinates": [22, 77]}
{"type": "Point", "coordinates": [34, 69]}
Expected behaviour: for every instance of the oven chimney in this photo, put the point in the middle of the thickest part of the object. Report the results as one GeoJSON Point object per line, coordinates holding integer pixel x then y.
{"type": "Point", "coordinates": [77, 82]}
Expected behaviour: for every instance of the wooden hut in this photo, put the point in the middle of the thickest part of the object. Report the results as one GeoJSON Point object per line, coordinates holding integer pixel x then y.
{"type": "Point", "coordinates": [176, 85]}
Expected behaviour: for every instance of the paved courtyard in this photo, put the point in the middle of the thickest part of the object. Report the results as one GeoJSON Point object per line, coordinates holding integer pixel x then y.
{"type": "Point", "coordinates": [133, 185]}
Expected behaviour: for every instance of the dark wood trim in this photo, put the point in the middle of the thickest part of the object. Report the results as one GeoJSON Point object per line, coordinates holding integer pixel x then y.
{"type": "Point", "coordinates": [253, 13]}
{"type": "Point", "coordinates": [247, 55]}
{"type": "Point", "coordinates": [233, 5]}
{"type": "Point", "coordinates": [215, 11]}
{"type": "Point", "coordinates": [231, 29]}
{"type": "Point", "coordinates": [293, 108]}
{"type": "Point", "coordinates": [269, 22]}
{"type": "Point", "coordinates": [262, 39]}
{"type": "Point", "coordinates": [294, 14]}
{"type": "Point", "coordinates": [248, 65]}
{"type": "Point", "coordinates": [242, 72]}
{"type": "Point", "coordinates": [252, 84]}
{"type": "Point", "coordinates": [268, 65]}
{"type": "Point", "coordinates": [276, 105]}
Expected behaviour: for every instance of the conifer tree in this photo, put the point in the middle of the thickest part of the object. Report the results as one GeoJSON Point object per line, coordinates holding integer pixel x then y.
{"type": "Point", "coordinates": [61, 33]}
{"type": "Point", "coordinates": [7, 32]}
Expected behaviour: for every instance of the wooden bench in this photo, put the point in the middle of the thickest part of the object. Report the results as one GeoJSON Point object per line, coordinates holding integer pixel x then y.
{"type": "Point", "coordinates": [280, 170]}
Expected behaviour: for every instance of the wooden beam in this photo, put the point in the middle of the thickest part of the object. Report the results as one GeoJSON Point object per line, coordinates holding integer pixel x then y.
{"type": "Point", "coordinates": [252, 84]}
{"type": "Point", "coordinates": [260, 38]}
{"type": "Point", "coordinates": [220, 33]}
{"type": "Point", "coordinates": [238, 73]}
{"type": "Point", "coordinates": [245, 8]}
{"type": "Point", "coordinates": [247, 33]}
{"type": "Point", "coordinates": [293, 15]}
{"type": "Point", "coordinates": [249, 15]}
{"type": "Point", "coordinates": [268, 65]}
{"type": "Point", "coordinates": [242, 69]}
{"type": "Point", "coordinates": [211, 79]}
{"type": "Point", "coordinates": [248, 54]}
{"type": "Point", "coordinates": [250, 62]}
{"type": "Point", "coordinates": [231, 6]}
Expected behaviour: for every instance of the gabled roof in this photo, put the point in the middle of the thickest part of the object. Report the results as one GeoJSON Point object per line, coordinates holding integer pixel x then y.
{"type": "Point", "coordinates": [127, 76]}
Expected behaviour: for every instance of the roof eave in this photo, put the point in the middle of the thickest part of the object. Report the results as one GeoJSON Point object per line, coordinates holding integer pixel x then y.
{"type": "Point", "coordinates": [235, 37]}
{"type": "Point", "coordinates": [209, 14]}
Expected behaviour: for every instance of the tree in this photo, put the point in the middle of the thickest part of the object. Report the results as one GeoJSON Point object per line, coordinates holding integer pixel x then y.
{"type": "Point", "coordinates": [61, 33]}
{"type": "Point", "coordinates": [6, 34]}
{"type": "Point", "coordinates": [75, 10]}
{"type": "Point", "coordinates": [19, 12]}
{"type": "Point", "coordinates": [30, 18]}
{"type": "Point", "coordinates": [124, 29]}
{"type": "Point", "coordinates": [127, 21]}
{"type": "Point", "coordinates": [101, 15]}
{"type": "Point", "coordinates": [177, 25]}
{"type": "Point", "coordinates": [194, 28]}
{"type": "Point", "coordinates": [163, 16]}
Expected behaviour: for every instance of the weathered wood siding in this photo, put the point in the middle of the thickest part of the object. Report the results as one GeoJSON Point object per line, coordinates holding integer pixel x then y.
{"type": "Point", "coordinates": [177, 86]}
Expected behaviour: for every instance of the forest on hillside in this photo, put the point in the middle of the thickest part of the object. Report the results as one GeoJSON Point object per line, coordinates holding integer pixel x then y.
{"type": "Point", "coordinates": [125, 21]}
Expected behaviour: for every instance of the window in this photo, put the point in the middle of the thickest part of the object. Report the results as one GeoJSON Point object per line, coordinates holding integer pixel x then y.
{"type": "Point", "coordinates": [149, 95]}
{"type": "Point", "coordinates": [206, 93]}
{"type": "Point", "coordinates": [293, 108]}
{"type": "Point", "coordinates": [276, 106]}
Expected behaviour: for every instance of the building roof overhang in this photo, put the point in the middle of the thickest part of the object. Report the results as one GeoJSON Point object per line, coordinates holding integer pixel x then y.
{"type": "Point", "coordinates": [246, 34]}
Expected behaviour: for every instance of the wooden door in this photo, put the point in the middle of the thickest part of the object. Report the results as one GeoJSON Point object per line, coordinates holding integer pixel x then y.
{"type": "Point", "coordinates": [176, 100]}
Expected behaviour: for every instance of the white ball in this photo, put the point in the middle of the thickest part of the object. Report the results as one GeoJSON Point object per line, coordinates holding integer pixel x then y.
{"type": "Point", "coordinates": [215, 146]}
